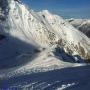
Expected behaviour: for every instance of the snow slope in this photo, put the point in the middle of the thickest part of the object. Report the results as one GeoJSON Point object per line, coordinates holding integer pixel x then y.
{"type": "Point", "coordinates": [28, 33]}
{"type": "Point", "coordinates": [73, 40]}
{"type": "Point", "coordinates": [44, 30]}
{"type": "Point", "coordinates": [76, 78]}
{"type": "Point", "coordinates": [81, 24]}
{"type": "Point", "coordinates": [37, 42]}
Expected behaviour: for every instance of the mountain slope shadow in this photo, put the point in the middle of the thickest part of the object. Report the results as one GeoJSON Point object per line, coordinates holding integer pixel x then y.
{"type": "Point", "coordinates": [14, 51]}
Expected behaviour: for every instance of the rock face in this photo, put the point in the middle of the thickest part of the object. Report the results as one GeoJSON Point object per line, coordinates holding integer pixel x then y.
{"type": "Point", "coordinates": [41, 30]}
{"type": "Point", "coordinates": [3, 9]}
{"type": "Point", "coordinates": [81, 24]}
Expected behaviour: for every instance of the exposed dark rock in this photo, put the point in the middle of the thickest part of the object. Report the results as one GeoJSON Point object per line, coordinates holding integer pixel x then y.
{"type": "Point", "coordinates": [4, 9]}
{"type": "Point", "coordinates": [2, 37]}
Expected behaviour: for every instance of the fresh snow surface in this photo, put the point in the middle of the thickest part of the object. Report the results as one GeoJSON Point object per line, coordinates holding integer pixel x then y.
{"type": "Point", "coordinates": [81, 24]}
{"type": "Point", "coordinates": [76, 78]}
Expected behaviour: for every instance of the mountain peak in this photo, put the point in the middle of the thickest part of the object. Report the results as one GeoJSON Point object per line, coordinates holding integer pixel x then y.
{"type": "Point", "coordinates": [45, 12]}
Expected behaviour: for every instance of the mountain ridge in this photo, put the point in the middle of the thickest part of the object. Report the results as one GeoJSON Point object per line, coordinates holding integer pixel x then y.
{"type": "Point", "coordinates": [81, 24]}
{"type": "Point", "coordinates": [44, 29]}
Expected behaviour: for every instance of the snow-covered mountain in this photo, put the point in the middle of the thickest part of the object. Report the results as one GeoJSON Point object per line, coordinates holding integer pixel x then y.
{"type": "Point", "coordinates": [37, 42]}
{"type": "Point", "coordinates": [81, 24]}
{"type": "Point", "coordinates": [27, 32]}
{"type": "Point", "coordinates": [43, 30]}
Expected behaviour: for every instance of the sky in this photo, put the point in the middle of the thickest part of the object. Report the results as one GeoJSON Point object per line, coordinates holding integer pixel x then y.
{"type": "Point", "coordinates": [64, 8]}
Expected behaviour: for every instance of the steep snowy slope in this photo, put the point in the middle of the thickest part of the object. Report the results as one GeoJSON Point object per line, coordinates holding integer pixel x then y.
{"type": "Point", "coordinates": [74, 42]}
{"type": "Point", "coordinates": [45, 31]}
{"type": "Point", "coordinates": [81, 24]}
{"type": "Point", "coordinates": [28, 25]}
{"type": "Point", "coordinates": [27, 31]}
{"type": "Point", "coordinates": [11, 47]}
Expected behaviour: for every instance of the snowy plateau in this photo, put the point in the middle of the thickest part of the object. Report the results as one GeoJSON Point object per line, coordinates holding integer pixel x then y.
{"type": "Point", "coordinates": [42, 51]}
